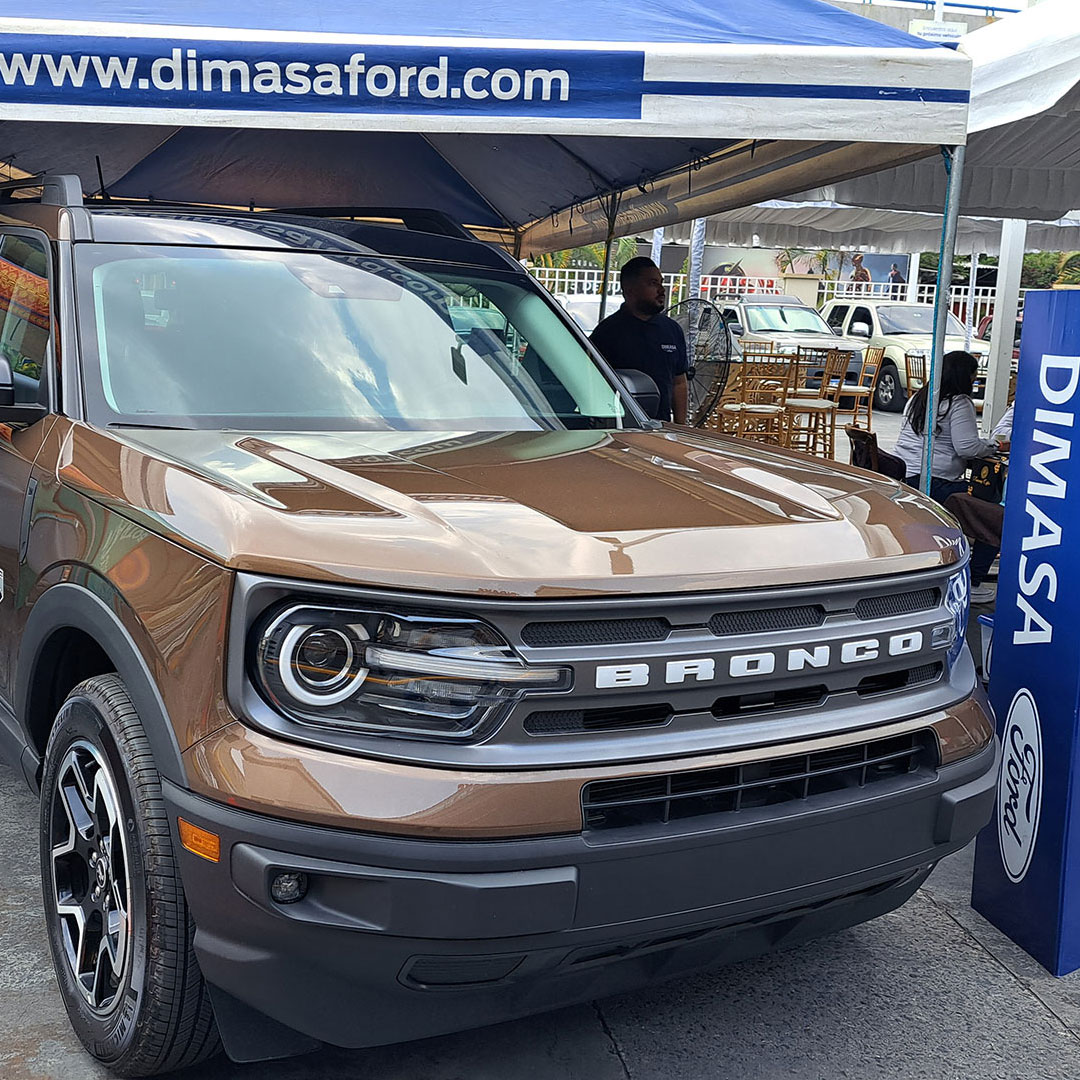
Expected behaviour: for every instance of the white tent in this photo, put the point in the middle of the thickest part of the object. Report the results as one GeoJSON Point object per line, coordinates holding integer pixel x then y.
{"type": "Point", "coordinates": [1023, 150]}
{"type": "Point", "coordinates": [779, 223]}
{"type": "Point", "coordinates": [1022, 156]}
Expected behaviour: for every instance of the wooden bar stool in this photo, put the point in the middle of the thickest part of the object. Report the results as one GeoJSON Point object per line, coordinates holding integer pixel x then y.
{"type": "Point", "coordinates": [861, 392]}
{"type": "Point", "coordinates": [812, 421]}
{"type": "Point", "coordinates": [915, 370]}
{"type": "Point", "coordinates": [759, 413]}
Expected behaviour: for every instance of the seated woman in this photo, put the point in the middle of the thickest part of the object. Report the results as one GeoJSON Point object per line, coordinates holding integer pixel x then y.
{"type": "Point", "coordinates": [982, 522]}
{"type": "Point", "coordinates": [956, 432]}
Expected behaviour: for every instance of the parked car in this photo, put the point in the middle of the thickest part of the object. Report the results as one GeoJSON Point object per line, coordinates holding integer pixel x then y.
{"type": "Point", "coordinates": [986, 325]}
{"type": "Point", "coordinates": [786, 323]}
{"type": "Point", "coordinates": [899, 327]}
{"type": "Point", "coordinates": [383, 671]}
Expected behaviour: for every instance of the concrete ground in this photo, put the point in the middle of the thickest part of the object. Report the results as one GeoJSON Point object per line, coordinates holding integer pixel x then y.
{"type": "Point", "coordinates": [930, 991]}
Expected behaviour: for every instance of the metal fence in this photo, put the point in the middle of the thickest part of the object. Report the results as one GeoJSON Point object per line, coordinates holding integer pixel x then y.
{"type": "Point", "coordinates": [587, 282]}
{"type": "Point", "coordinates": [959, 296]}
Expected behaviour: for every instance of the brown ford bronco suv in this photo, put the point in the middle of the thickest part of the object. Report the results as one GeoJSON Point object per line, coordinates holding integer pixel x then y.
{"type": "Point", "coordinates": [384, 672]}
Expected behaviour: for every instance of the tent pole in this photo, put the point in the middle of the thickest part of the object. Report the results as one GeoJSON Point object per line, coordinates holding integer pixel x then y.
{"type": "Point", "coordinates": [605, 277]}
{"type": "Point", "coordinates": [954, 163]}
{"type": "Point", "coordinates": [913, 278]}
{"type": "Point", "coordinates": [969, 317]}
{"type": "Point", "coordinates": [1006, 306]}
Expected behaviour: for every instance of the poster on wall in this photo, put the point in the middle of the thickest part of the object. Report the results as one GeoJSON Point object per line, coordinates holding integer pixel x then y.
{"type": "Point", "coordinates": [844, 266]}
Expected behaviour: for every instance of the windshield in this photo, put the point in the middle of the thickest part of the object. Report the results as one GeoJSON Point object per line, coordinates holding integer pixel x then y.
{"type": "Point", "coordinates": [795, 319]}
{"type": "Point", "coordinates": [272, 340]}
{"type": "Point", "coordinates": [914, 319]}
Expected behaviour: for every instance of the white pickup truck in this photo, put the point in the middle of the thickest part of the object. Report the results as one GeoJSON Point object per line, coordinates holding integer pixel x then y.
{"type": "Point", "coordinates": [899, 327]}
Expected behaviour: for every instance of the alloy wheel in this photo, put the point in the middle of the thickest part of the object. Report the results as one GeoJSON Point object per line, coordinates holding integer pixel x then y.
{"type": "Point", "coordinates": [90, 884]}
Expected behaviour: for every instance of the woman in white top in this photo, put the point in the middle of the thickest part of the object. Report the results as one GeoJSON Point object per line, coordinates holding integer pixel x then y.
{"type": "Point", "coordinates": [956, 433]}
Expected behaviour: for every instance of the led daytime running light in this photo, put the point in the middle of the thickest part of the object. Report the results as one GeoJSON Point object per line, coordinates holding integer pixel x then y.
{"type": "Point", "coordinates": [488, 670]}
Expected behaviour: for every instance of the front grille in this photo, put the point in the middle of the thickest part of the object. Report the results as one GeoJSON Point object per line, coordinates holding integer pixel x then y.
{"type": "Point", "coordinates": [766, 619]}
{"type": "Point", "coordinates": [583, 721]}
{"type": "Point", "coordinates": [742, 789]}
{"type": "Point", "coordinates": [727, 623]}
{"type": "Point", "coordinates": [892, 604]}
{"type": "Point", "coordinates": [594, 632]}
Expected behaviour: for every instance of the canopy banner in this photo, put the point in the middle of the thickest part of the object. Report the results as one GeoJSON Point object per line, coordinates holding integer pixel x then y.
{"type": "Point", "coordinates": [217, 77]}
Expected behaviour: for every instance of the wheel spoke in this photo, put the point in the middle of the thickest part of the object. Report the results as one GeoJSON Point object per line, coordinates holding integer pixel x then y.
{"type": "Point", "coordinates": [80, 819]}
{"type": "Point", "coordinates": [90, 879]}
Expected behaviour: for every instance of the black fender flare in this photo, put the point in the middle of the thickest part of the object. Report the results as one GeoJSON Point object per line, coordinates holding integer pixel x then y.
{"type": "Point", "coordinates": [70, 606]}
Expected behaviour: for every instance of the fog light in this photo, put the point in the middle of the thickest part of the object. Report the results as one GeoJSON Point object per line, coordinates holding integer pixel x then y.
{"type": "Point", "coordinates": [288, 887]}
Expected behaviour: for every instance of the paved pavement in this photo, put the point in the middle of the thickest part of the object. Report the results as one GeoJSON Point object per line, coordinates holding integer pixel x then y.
{"type": "Point", "coordinates": [930, 991]}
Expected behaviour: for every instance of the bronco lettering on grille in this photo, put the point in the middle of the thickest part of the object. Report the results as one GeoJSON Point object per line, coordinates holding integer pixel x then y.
{"type": "Point", "coordinates": [763, 662]}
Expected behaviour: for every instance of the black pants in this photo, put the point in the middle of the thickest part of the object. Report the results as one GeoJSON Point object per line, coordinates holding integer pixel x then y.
{"type": "Point", "coordinates": [982, 555]}
{"type": "Point", "coordinates": [940, 489]}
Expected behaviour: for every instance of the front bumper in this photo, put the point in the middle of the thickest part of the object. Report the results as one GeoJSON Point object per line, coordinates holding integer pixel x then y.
{"type": "Point", "coordinates": [399, 939]}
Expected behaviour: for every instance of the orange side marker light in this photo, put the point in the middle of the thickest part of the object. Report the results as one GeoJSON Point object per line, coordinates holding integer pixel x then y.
{"type": "Point", "coordinates": [198, 841]}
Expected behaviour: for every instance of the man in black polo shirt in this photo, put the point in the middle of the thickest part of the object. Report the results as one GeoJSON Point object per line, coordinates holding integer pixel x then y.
{"type": "Point", "coordinates": [641, 337]}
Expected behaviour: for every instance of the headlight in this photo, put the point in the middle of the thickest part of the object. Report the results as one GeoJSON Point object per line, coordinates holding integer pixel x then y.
{"type": "Point", "coordinates": [958, 601]}
{"type": "Point", "coordinates": [378, 672]}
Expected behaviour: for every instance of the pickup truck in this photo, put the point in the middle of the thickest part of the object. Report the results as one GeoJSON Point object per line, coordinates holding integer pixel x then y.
{"type": "Point", "coordinates": [898, 327]}
{"type": "Point", "coordinates": [383, 671]}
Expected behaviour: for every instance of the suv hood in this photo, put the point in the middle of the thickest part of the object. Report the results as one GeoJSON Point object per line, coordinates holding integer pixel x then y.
{"type": "Point", "coordinates": [519, 513]}
{"type": "Point", "coordinates": [812, 341]}
{"type": "Point", "coordinates": [919, 342]}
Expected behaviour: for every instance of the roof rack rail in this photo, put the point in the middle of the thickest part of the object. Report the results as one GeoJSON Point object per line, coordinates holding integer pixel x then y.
{"type": "Point", "coordinates": [62, 189]}
{"type": "Point", "coordinates": [414, 218]}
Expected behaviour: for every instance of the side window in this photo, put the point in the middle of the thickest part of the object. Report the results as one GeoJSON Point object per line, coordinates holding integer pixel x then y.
{"type": "Point", "coordinates": [24, 311]}
{"type": "Point", "coordinates": [836, 316]}
{"type": "Point", "coordinates": [863, 315]}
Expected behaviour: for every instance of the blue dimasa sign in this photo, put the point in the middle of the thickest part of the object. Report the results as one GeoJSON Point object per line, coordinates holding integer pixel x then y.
{"type": "Point", "coordinates": [1027, 863]}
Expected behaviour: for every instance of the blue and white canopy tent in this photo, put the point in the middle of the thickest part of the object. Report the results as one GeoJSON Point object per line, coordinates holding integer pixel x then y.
{"type": "Point", "coordinates": [522, 118]}
{"type": "Point", "coordinates": [546, 125]}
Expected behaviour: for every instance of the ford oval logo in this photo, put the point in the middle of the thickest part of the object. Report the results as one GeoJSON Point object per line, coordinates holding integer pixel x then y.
{"type": "Point", "coordinates": [1020, 786]}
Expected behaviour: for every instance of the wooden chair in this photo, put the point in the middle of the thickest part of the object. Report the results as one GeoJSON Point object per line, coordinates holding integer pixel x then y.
{"type": "Point", "coordinates": [860, 393]}
{"type": "Point", "coordinates": [812, 420]}
{"type": "Point", "coordinates": [866, 454]}
{"type": "Point", "coordinates": [915, 369]}
{"type": "Point", "coordinates": [810, 363]}
{"type": "Point", "coordinates": [756, 348]}
{"type": "Point", "coordinates": [759, 412]}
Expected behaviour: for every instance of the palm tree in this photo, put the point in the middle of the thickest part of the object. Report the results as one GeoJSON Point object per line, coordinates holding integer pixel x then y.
{"type": "Point", "coordinates": [1068, 269]}
{"type": "Point", "coordinates": [787, 257]}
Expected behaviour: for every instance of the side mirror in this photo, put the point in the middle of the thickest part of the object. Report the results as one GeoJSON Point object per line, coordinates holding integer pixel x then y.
{"type": "Point", "coordinates": [859, 329]}
{"type": "Point", "coordinates": [7, 383]}
{"type": "Point", "coordinates": [735, 329]}
{"type": "Point", "coordinates": [838, 331]}
{"type": "Point", "coordinates": [642, 388]}
{"type": "Point", "coordinates": [12, 412]}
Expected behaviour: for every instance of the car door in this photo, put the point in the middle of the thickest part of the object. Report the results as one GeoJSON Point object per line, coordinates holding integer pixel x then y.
{"type": "Point", "coordinates": [26, 344]}
{"type": "Point", "coordinates": [836, 317]}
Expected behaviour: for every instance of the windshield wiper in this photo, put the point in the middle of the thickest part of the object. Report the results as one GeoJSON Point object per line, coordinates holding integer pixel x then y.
{"type": "Point", "coordinates": [152, 427]}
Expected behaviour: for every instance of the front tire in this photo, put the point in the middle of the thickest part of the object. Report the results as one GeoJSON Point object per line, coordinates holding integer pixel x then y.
{"type": "Point", "coordinates": [117, 920]}
{"type": "Point", "coordinates": [889, 392]}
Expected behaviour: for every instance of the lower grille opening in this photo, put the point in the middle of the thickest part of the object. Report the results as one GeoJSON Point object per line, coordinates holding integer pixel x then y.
{"type": "Point", "coordinates": [583, 721]}
{"type": "Point", "coordinates": [737, 789]}
{"type": "Point", "coordinates": [448, 971]}
{"type": "Point", "coordinates": [890, 681]}
{"type": "Point", "coordinates": [795, 698]}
